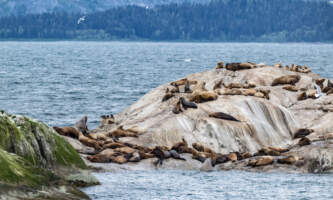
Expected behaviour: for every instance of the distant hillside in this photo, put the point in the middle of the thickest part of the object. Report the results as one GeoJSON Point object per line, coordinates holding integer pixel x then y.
{"type": "Point", "coordinates": [23, 7]}
{"type": "Point", "coordinates": [219, 20]}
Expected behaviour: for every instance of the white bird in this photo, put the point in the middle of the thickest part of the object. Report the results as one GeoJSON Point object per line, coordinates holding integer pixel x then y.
{"type": "Point", "coordinates": [81, 19]}
{"type": "Point", "coordinates": [319, 94]}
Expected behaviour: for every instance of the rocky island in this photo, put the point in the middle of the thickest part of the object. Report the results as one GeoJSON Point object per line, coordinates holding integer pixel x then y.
{"type": "Point", "coordinates": [242, 116]}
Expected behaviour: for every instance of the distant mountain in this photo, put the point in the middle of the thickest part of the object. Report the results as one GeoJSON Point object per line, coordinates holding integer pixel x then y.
{"type": "Point", "coordinates": [23, 7]}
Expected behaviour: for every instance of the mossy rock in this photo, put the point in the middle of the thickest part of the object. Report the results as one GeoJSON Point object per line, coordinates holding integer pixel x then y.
{"type": "Point", "coordinates": [36, 142]}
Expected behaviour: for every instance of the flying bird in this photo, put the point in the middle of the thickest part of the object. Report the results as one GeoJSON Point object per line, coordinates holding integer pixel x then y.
{"type": "Point", "coordinates": [81, 19]}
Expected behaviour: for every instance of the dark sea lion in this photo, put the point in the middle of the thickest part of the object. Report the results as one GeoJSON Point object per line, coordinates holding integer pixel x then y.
{"type": "Point", "coordinates": [187, 104]}
{"type": "Point", "coordinates": [221, 115]}
{"type": "Point", "coordinates": [302, 132]}
{"type": "Point", "coordinates": [288, 79]}
{"type": "Point", "coordinates": [238, 66]}
{"type": "Point", "coordinates": [302, 96]}
{"type": "Point", "coordinates": [187, 87]}
{"type": "Point", "coordinates": [291, 88]}
{"type": "Point", "coordinates": [82, 125]}
{"type": "Point", "coordinates": [320, 82]}
{"type": "Point", "coordinates": [304, 141]}
{"type": "Point", "coordinates": [219, 159]}
{"type": "Point", "coordinates": [267, 152]}
{"type": "Point", "coordinates": [168, 95]}
{"type": "Point", "coordinates": [202, 148]}
{"type": "Point", "coordinates": [159, 153]}
{"type": "Point", "coordinates": [177, 109]}
{"type": "Point", "coordinates": [175, 155]}
{"type": "Point", "coordinates": [329, 83]}
{"type": "Point", "coordinates": [113, 145]}
{"type": "Point", "coordinates": [67, 131]}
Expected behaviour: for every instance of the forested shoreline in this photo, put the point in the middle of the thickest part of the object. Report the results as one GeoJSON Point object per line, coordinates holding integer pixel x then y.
{"type": "Point", "coordinates": [221, 20]}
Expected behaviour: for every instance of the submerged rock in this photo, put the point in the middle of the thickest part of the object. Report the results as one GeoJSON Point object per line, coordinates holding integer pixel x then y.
{"type": "Point", "coordinates": [34, 158]}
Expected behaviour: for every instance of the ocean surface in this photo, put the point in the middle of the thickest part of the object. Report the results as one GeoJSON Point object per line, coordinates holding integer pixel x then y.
{"type": "Point", "coordinates": [59, 82]}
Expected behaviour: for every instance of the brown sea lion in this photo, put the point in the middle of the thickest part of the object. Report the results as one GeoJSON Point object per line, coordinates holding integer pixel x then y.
{"type": "Point", "coordinates": [89, 142]}
{"type": "Point", "coordinates": [302, 96]}
{"type": "Point", "coordinates": [200, 156]}
{"type": "Point", "coordinates": [230, 92]}
{"type": "Point", "coordinates": [278, 149]}
{"type": "Point", "coordinates": [202, 148]}
{"type": "Point", "coordinates": [246, 155]}
{"type": "Point", "coordinates": [187, 104]}
{"type": "Point", "coordinates": [320, 82]}
{"type": "Point", "coordinates": [249, 92]}
{"type": "Point", "coordinates": [182, 82]}
{"type": "Point", "coordinates": [289, 160]}
{"type": "Point", "coordinates": [249, 85]}
{"type": "Point", "coordinates": [329, 91]}
{"type": "Point", "coordinates": [120, 132]}
{"type": "Point", "coordinates": [175, 89]}
{"type": "Point", "coordinates": [326, 89]}
{"type": "Point", "coordinates": [177, 109]}
{"type": "Point", "coordinates": [113, 145]}
{"type": "Point", "coordinates": [144, 155]}
{"type": "Point", "coordinates": [219, 65]}
{"type": "Point", "coordinates": [82, 125]}
{"type": "Point", "coordinates": [291, 88]}
{"type": "Point", "coordinates": [125, 150]}
{"type": "Point", "coordinates": [67, 131]}
{"type": "Point", "coordinates": [221, 115]}
{"type": "Point", "coordinates": [182, 147]}
{"type": "Point", "coordinates": [267, 152]}
{"type": "Point", "coordinates": [233, 85]}
{"type": "Point", "coordinates": [107, 119]}
{"type": "Point", "coordinates": [99, 136]}
{"type": "Point", "coordinates": [203, 96]}
{"type": "Point", "coordinates": [288, 79]}
{"type": "Point", "coordinates": [302, 132]}
{"type": "Point", "coordinates": [239, 66]}
{"type": "Point", "coordinates": [304, 141]}
{"type": "Point", "coordinates": [168, 95]}
{"type": "Point", "coordinates": [187, 87]}
{"type": "Point", "coordinates": [232, 157]}
{"type": "Point", "coordinates": [261, 161]}
{"type": "Point", "coordinates": [218, 84]}
{"type": "Point", "coordinates": [266, 92]}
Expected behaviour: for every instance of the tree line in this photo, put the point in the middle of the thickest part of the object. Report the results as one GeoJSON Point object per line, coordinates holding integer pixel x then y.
{"type": "Point", "coordinates": [219, 20]}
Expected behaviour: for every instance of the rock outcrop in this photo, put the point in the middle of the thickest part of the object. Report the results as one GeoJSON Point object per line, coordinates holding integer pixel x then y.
{"type": "Point", "coordinates": [34, 161]}
{"type": "Point", "coordinates": [243, 110]}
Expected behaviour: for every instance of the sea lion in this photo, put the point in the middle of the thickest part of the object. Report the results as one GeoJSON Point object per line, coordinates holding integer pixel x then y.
{"type": "Point", "coordinates": [304, 141]}
{"type": "Point", "coordinates": [182, 82]}
{"type": "Point", "coordinates": [261, 161]}
{"type": "Point", "coordinates": [218, 84]}
{"type": "Point", "coordinates": [144, 155]}
{"type": "Point", "coordinates": [187, 104]}
{"type": "Point", "coordinates": [278, 149]}
{"type": "Point", "coordinates": [113, 145]}
{"type": "Point", "coordinates": [267, 152]}
{"type": "Point", "coordinates": [81, 125]}
{"type": "Point", "coordinates": [107, 119]}
{"type": "Point", "coordinates": [175, 89]}
{"type": "Point", "coordinates": [239, 66]}
{"type": "Point", "coordinates": [329, 91]}
{"type": "Point", "coordinates": [219, 65]}
{"type": "Point", "coordinates": [187, 87]}
{"type": "Point", "coordinates": [203, 96]}
{"type": "Point", "coordinates": [246, 155]}
{"type": "Point", "coordinates": [221, 115]}
{"type": "Point", "coordinates": [232, 157]}
{"type": "Point", "coordinates": [182, 147]}
{"type": "Point", "coordinates": [233, 85]}
{"type": "Point", "coordinates": [89, 142]}
{"type": "Point", "coordinates": [200, 156]}
{"type": "Point", "coordinates": [125, 150]}
{"type": "Point", "coordinates": [218, 159]}
{"type": "Point", "coordinates": [175, 155]}
{"type": "Point", "coordinates": [159, 153]}
{"type": "Point", "coordinates": [291, 88]}
{"type": "Point", "coordinates": [249, 92]}
{"type": "Point", "coordinates": [326, 89]}
{"type": "Point", "coordinates": [120, 132]}
{"type": "Point", "coordinates": [320, 82]}
{"type": "Point", "coordinates": [266, 92]}
{"type": "Point", "coordinates": [135, 157]}
{"type": "Point", "coordinates": [288, 79]}
{"type": "Point", "coordinates": [289, 160]}
{"type": "Point", "coordinates": [249, 85]}
{"type": "Point", "coordinates": [227, 91]}
{"type": "Point", "coordinates": [302, 132]}
{"type": "Point", "coordinates": [202, 148]}
{"type": "Point", "coordinates": [67, 131]}
{"type": "Point", "coordinates": [99, 136]}
{"type": "Point", "coordinates": [177, 109]}
{"type": "Point", "coordinates": [329, 83]}
{"type": "Point", "coordinates": [302, 96]}
{"type": "Point", "coordinates": [168, 95]}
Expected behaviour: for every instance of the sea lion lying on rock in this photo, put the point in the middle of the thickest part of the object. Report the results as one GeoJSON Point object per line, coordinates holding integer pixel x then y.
{"type": "Point", "coordinates": [90, 142]}
{"type": "Point", "coordinates": [233, 85]}
{"type": "Point", "coordinates": [302, 132]}
{"type": "Point", "coordinates": [302, 96]}
{"type": "Point", "coordinates": [67, 131]}
{"type": "Point", "coordinates": [304, 141]}
{"type": "Point", "coordinates": [261, 161]}
{"type": "Point", "coordinates": [232, 157]}
{"type": "Point", "coordinates": [218, 84]}
{"type": "Point", "coordinates": [221, 115]}
{"type": "Point", "coordinates": [291, 88]}
{"type": "Point", "coordinates": [203, 96]}
{"type": "Point", "coordinates": [239, 66]}
{"type": "Point", "coordinates": [267, 152]}
{"type": "Point", "coordinates": [227, 91]}
{"type": "Point", "coordinates": [288, 79]}
{"type": "Point", "coordinates": [187, 104]}
{"type": "Point", "coordinates": [182, 82]}
{"type": "Point", "coordinates": [181, 147]}
{"type": "Point", "coordinates": [168, 95]}
{"type": "Point", "coordinates": [120, 132]}
{"type": "Point", "coordinates": [177, 109]}
{"type": "Point", "coordinates": [202, 148]}
{"type": "Point", "coordinates": [82, 125]}
{"type": "Point", "coordinates": [289, 160]}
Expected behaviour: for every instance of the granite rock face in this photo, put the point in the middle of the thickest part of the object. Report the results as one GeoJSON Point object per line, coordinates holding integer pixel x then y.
{"type": "Point", "coordinates": [261, 108]}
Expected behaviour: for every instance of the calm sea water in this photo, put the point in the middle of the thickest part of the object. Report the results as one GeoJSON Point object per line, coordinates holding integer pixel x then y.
{"type": "Point", "coordinates": [59, 82]}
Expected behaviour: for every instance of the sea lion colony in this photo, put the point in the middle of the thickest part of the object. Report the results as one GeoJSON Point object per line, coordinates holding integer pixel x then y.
{"type": "Point", "coordinates": [108, 148]}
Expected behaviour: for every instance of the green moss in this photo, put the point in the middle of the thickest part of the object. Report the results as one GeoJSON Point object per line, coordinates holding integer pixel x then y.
{"type": "Point", "coordinates": [18, 171]}
{"type": "Point", "coordinates": [66, 154]}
